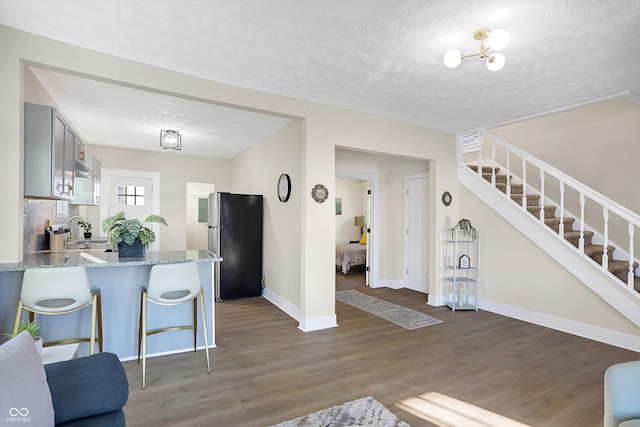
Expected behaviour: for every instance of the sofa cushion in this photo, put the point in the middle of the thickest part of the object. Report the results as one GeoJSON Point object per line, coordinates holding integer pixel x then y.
{"type": "Point", "coordinates": [87, 386]}
{"type": "Point", "coordinates": [24, 393]}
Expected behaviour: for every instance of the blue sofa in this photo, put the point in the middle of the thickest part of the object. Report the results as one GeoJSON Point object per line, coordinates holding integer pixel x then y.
{"type": "Point", "coordinates": [88, 391]}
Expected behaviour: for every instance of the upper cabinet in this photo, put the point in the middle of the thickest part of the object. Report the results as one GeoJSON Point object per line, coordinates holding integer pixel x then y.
{"type": "Point", "coordinates": [88, 183]}
{"type": "Point", "coordinates": [49, 146]}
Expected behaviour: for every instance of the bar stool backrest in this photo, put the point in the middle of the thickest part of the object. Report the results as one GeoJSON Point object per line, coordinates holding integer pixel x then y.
{"type": "Point", "coordinates": [55, 289]}
{"type": "Point", "coordinates": [173, 283]}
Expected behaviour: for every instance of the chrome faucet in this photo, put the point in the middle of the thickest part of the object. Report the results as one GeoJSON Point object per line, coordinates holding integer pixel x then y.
{"type": "Point", "coordinates": [69, 239]}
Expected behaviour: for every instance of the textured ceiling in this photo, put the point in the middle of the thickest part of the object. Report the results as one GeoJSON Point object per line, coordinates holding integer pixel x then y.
{"type": "Point", "coordinates": [382, 57]}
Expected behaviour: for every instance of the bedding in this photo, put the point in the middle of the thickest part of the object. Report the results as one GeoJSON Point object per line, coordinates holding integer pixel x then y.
{"type": "Point", "coordinates": [350, 254]}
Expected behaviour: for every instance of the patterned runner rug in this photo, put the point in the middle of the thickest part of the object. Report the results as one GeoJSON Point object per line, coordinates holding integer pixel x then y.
{"type": "Point", "coordinates": [362, 412]}
{"type": "Point", "coordinates": [401, 316]}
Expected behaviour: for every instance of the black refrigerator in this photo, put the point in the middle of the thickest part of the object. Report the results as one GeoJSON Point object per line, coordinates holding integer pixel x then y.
{"type": "Point", "coordinates": [235, 234]}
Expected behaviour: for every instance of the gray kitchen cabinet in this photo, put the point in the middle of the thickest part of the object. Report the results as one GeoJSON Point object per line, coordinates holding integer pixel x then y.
{"type": "Point", "coordinates": [88, 183]}
{"type": "Point", "coordinates": [49, 164]}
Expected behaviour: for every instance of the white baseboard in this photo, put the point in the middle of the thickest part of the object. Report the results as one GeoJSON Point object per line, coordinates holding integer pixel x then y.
{"type": "Point", "coordinates": [388, 283]}
{"type": "Point", "coordinates": [606, 336]}
{"type": "Point", "coordinates": [281, 303]}
{"type": "Point", "coordinates": [305, 325]}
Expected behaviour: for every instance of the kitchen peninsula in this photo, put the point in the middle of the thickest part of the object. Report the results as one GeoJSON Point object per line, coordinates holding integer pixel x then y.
{"type": "Point", "coordinates": [120, 281]}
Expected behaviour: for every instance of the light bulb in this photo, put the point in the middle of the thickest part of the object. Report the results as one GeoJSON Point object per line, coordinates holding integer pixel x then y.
{"type": "Point", "coordinates": [452, 58]}
{"type": "Point", "coordinates": [496, 61]}
{"type": "Point", "coordinates": [498, 39]}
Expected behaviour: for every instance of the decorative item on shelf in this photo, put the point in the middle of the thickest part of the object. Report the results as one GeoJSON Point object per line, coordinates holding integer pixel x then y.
{"type": "Point", "coordinates": [360, 222]}
{"type": "Point", "coordinates": [319, 193]}
{"type": "Point", "coordinates": [467, 228]}
{"type": "Point", "coordinates": [446, 198]}
{"type": "Point", "coordinates": [170, 139]}
{"type": "Point", "coordinates": [496, 40]}
{"type": "Point", "coordinates": [461, 291]}
{"type": "Point", "coordinates": [86, 226]}
{"type": "Point", "coordinates": [34, 327]}
{"type": "Point", "coordinates": [463, 261]}
{"type": "Point", "coordinates": [131, 236]}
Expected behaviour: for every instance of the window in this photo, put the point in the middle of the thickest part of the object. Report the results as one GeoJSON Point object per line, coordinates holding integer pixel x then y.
{"type": "Point", "coordinates": [130, 195]}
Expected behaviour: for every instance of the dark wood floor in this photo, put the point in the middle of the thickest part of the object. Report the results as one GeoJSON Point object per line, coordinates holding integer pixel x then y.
{"type": "Point", "coordinates": [474, 369]}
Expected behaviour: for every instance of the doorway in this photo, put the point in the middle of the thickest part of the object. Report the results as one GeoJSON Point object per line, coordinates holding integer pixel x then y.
{"type": "Point", "coordinates": [416, 235]}
{"type": "Point", "coordinates": [136, 193]}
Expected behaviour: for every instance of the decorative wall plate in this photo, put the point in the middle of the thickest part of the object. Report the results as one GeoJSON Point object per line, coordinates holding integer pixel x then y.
{"type": "Point", "coordinates": [319, 193]}
{"type": "Point", "coordinates": [446, 198]}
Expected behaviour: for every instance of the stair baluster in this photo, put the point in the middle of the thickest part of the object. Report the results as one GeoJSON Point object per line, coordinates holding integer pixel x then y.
{"type": "Point", "coordinates": [541, 196]}
{"type": "Point", "coordinates": [508, 173]}
{"type": "Point", "coordinates": [561, 228]}
{"type": "Point", "coordinates": [605, 250]}
{"type": "Point", "coordinates": [582, 202]}
{"type": "Point", "coordinates": [524, 183]}
{"type": "Point", "coordinates": [631, 274]}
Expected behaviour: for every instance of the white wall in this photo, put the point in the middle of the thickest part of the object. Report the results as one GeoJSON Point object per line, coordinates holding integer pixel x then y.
{"type": "Point", "coordinates": [354, 203]}
{"type": "Point", "coordinates": [323, 128]}
{"type": "Point", "coordinates": [176, 170]}
{"type": "Point", "coordinates": [517, 273]}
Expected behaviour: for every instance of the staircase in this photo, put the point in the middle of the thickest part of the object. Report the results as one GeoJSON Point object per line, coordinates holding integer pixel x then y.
{"type": "Point", "coordinates": [618, 268]}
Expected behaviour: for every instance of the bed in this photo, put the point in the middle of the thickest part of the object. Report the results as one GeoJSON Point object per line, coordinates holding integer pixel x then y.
{"type": "Point", "coordinates": [350, 254]}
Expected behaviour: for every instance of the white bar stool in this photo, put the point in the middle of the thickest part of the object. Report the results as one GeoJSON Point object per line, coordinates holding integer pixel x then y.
{"type": "Point", "coordinates": [172, 284]}
{"type": "Point", "coordinates": [60, 290]}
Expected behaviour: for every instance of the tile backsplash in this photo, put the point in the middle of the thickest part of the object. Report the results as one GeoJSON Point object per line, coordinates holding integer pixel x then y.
{"type": "Point", "coordinates": [36, 213]}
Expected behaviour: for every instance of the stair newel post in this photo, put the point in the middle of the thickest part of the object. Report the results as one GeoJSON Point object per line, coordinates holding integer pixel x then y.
{"type": "Point", "coordinates": [508, 173]}
{"type": "Point", "coordinates": [524, 183]}
{"type": "Point", "coordinates": [541, 196]}
{"type": "Point", "coordinates": [561, 227]}
{"type": "Point", "coordinates": [605, 238]}
{"type": "Point", "coordinates": [493, 162]}
{"type": "Point", "coordinates": [631, 274]}
{"type": "Point", "coordinates": [582, 201]}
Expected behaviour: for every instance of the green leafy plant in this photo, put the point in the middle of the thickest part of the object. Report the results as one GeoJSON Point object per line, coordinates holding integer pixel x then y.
{"type": "Point", "coordinates": [467, 228]}
{"type": "Point", "coordinates": [128, 230]}
{"type": "Point", "coordinates": [33, 327]}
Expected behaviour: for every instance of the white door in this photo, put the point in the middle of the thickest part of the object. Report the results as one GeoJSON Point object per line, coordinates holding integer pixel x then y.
{"type": "Point", "coordinates": [132, 194]}
{"type": "Point", "coordinates": [416, 236]}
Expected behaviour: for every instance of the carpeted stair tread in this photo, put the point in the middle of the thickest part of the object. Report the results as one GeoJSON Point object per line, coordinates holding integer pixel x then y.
{"type": "Point", "coordinates": [573, 236]}
{"type": "Point", "coordinates": [532, 199]}
{"type": "Point", "coordinates": [554, 223]}
{"type": "Point", "coordinates": [549, 211]}
{"type": "Point", "coordinates": [515, 188]}
{"type": "Point", "coordinates": [485, 169]}
{"type": "Point", "coordinates": [595, 252]}
{"type": "Point", "coordinates": [500, 179]}
{"type": "Point", "coordinates": [636, 284]}
{"type": "Point", "coordinates": [620, 268]}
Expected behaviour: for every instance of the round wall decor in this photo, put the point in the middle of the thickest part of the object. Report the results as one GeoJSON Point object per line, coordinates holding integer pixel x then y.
{"type": "Point", "coordinates": [284, 187]}
{"type": "Point", "coordinates": [319, 193]}
{"type": "Point", "coordinates": [446, 198]}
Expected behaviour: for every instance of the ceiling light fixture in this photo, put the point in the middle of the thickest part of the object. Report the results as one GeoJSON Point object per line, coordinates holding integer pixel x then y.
{"type": "Point", "coordinates": [496, 40]}
{"type": "Point", "coordinates": [170, 139]}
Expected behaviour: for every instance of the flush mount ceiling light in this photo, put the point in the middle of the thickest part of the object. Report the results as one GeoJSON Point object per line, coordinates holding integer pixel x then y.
{"type": "Point", "coordinates": [170, 139]}
{"type": "Point", "coordinates": [496, 40]}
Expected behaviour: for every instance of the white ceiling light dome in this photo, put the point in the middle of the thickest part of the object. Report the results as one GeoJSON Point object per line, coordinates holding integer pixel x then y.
{"type": "Point", "coordinates": [452, 58]}
{"type": "Point", "coordinates": [498, 39]}
{"type": "Point", "coordinates": [496, 61]}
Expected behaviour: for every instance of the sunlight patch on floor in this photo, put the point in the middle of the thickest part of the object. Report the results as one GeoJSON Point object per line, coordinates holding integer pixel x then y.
{"type": "Point", "coordinates": [445, 411]}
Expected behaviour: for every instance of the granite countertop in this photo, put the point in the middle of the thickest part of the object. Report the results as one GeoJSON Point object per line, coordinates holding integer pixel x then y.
{"type": "Point", "coordinates": [99, 258]}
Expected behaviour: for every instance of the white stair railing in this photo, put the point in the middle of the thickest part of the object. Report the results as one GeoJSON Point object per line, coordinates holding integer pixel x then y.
{"type": "Point", "coordinates": [503, 153]}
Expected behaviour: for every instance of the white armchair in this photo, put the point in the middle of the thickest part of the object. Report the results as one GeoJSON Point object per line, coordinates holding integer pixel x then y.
{"type": "Point", "coordinates": [622, 395]}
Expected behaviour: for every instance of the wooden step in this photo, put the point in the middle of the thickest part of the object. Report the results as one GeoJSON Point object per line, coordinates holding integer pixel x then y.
{"type": "Point", "coordinates": [554, 223]}
{"type": "Point", "coordinates": [574, 237]}
{"type": "Point", "coordinates": [500, 178]}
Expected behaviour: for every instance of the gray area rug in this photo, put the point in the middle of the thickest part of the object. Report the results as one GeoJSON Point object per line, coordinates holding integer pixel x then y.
{"type": "Point", "coordinates": [362, 412]}
{"type": "Point", "coordinates": [401, 316]}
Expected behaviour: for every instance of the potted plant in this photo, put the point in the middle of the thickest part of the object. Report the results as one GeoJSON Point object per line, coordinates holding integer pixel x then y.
{"type": "Point", "coordinates": [131, 236]}
{"type": "Point", "coordinates": [34, 328]}
{"type": "Point", "coordinates": [86, 226]}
